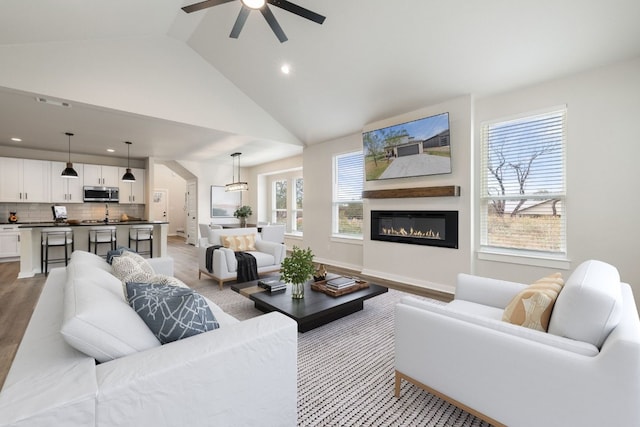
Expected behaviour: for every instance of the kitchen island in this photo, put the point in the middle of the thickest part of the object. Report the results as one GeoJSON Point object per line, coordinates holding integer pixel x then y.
{"type": "Point", "coordinates": [30, 239]}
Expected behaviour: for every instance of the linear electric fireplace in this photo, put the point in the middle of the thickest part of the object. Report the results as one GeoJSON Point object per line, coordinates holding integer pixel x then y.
{"type": "Point", "coordinates": [431, 228]}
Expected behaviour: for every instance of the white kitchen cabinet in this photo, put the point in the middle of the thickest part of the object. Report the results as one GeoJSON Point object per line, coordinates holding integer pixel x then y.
{"type": "Point", "coordinates": [132, 192]}
{"type": "Point", "coordinates": [9, 242]}
{"type": "Point", "coordinates": [66, 190]}
{"type": "Point", "coordinates": [24, 180]}
{"type": "Point", "coordinates": [98, 175]}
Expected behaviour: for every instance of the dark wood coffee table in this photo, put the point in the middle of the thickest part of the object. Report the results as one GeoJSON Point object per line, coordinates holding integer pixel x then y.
{"type": "Point", "coordinates": [314, 310]}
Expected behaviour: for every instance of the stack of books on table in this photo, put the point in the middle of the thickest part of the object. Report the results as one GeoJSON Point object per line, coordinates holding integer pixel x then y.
{"type": "Point", "coordinates": [340, 283]}
{"type": "Point", "coordinates": [272, 285]}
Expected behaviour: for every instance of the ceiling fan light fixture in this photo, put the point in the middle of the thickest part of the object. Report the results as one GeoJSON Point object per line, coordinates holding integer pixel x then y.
{"type": "Point", "coordinates": [253, 4]}
{"type": "Point", "coordinates": [128, 176]}
{"type": "Point", "coordinates": [69, 171]}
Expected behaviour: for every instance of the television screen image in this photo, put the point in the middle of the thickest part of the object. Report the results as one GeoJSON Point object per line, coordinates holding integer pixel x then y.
{"type": "Point", "coordinates": [416, 148]}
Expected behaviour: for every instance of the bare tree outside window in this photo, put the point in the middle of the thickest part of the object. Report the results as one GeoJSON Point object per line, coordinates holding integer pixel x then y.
{"type": "Point", "coordinates": [523, 183]}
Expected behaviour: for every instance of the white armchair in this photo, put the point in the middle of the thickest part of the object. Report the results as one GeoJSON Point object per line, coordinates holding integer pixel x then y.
{"type": "Point", "coordinates": [584, 372]}
{"type": "Point", "coordinates": [224, 267]}
{"type": "Point", "coordinates": [273, 233]}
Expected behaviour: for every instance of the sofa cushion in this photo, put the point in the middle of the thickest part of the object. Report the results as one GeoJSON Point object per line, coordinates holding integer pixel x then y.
{"type": "Point", "coordinates": [98, 321]}
{"type": "Point", "coordinates": [532, 306]}
{"type": "Point", "coordinates": [90, 259]}
{"type": "Point", "coordinates": [590, 305]}
{"type": "Point", "coordinates": [244, 242]}
{"type": "Point", "coordinates": [171, 312]}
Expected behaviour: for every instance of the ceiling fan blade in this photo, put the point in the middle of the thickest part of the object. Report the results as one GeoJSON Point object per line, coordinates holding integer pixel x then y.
{"type": "Point", "coordinates": [273, 23]}
{"type": "Point", "coordinates": [242, 18]}
{"type": "Point", "coordinates": [298, 10]}
{"type": "Point", "coordinates": [203, 5]}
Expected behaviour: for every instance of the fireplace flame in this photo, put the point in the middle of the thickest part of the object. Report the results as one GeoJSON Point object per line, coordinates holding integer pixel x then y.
{"type": "Point", "coordinates": [429, 234]}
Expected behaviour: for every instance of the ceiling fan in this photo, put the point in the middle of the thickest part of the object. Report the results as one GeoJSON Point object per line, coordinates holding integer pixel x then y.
{"type": "Point", "coordinates": [262, 6]}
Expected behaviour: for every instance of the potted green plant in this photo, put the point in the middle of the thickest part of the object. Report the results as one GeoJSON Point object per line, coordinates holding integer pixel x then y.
{"type": "Point", "coordinates": [296, 269]}
{"type": "Point", "coordinates": [242, 213]}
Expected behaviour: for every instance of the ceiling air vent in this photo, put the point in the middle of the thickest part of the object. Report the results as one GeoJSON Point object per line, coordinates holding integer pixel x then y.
{"type": "Point", "coordinates": [53, 102]}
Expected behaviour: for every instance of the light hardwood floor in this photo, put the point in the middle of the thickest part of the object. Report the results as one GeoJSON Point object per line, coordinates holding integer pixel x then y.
{"type": "Point", "coordinates": [18, 297]}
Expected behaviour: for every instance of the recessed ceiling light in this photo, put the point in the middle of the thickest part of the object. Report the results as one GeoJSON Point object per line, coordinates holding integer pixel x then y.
{"type": "Point", "coordinates": [111, 150]}
{"type": "Point", "coordinates": [286, 69]}
{"type": "Point", "coordinates": [16, 139]}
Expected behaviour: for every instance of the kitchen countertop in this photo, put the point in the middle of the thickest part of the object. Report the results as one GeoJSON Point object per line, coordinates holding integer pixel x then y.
{"type": "Point", "coordinates": [86, 223]}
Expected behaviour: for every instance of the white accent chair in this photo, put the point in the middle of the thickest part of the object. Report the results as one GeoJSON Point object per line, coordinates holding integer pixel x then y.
{"type": "Point", "coordinates": [584, 372]}
{"type": "Point", "coordinates": [268, 255]}
{"type": "Point", "coordinates": [204, 231]}
{"type": "Point", "coordinates": [273, 233]}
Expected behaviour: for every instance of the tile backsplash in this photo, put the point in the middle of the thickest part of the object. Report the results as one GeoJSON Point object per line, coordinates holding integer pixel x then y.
{"type": "Point", "coordinates": [36, 212]}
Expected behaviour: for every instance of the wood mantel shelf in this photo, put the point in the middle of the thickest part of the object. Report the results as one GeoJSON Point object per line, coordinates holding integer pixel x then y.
{"type": "Point", "coordinates": [397, 193]}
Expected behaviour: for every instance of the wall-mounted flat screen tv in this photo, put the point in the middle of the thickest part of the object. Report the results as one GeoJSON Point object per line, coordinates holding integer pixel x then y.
{"type": "Point", "coordinates": [416, 148]}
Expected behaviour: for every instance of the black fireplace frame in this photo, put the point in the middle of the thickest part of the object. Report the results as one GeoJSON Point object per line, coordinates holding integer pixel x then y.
{"type": "Point", "coordinates": [451, 228]}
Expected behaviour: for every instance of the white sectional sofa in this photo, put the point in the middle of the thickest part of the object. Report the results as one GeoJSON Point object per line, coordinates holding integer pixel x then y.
{"type": "Point", "coordinates": [585, 371]}
{"type": "Point", "coordinates": [242, 374]}
{"type": "Point", "coordinates": [268, 255]}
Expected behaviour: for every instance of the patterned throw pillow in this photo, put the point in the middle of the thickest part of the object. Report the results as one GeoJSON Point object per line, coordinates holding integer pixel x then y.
{"type": "Point", "coordinates": [532, 307]}
{"type": "Point", "coordinates": [171, 312]}
{"type": "Point", "coordinates": [128, 267]}
{"type": "Point", "coordinates": [244, 242]}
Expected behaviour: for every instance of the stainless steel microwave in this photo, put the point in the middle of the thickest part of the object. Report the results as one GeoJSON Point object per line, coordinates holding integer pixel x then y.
{"type": "Point", "coordinates": [101, 194]}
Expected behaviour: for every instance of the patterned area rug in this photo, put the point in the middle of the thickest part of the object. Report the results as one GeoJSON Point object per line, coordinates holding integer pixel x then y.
{"type": "Point", "coordinates": [345, 370]}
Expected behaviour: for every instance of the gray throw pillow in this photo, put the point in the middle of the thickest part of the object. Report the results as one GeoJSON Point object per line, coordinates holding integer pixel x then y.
{"type": "Point", "coordinates": [171, 312]}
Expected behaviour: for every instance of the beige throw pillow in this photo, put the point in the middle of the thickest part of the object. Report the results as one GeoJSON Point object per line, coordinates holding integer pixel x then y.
{"type": "Point", "coordinates": [244, 242]}
{"type": "Point", "coordinates": [532, 307]}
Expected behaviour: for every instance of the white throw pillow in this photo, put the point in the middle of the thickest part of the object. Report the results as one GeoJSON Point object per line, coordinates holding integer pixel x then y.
{"type": "Point", "coordinates": [98, 321]}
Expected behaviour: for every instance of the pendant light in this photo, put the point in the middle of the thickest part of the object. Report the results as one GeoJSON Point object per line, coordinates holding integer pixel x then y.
{"type": "Point", "coordinates": [236, 185]}
{"type": "Point", "coordinates": [69, 171]}
{"type": "Point", "coordinates": [128, 176]}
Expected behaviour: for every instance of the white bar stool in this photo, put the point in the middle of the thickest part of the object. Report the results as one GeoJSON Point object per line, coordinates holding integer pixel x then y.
{"type": "Point", "coordinates": [105, 234]}
{"type": "Point", "coordinates": [54, 237]}
{"type": "Point", "coordinates": [142, 233]}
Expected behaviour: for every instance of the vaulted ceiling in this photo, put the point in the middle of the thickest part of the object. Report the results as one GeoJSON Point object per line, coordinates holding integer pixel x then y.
{"type": "Point", "coordinates": [205, 95]}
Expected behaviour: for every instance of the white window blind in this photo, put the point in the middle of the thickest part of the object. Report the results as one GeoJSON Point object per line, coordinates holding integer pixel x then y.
{"type": "Point", "coordinates": [523, 183]}
{"type": "Point", "coordinates": [347, 195]}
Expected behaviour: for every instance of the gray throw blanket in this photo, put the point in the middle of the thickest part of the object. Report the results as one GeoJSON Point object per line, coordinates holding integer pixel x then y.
{"type": "Point", "coordinates": [247, 266]}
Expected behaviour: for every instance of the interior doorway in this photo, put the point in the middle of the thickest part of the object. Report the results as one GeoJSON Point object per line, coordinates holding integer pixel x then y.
{"type": "Point", "coordinates": [192, 213]}
{"type": "Point", "coordinates": [160, 204]}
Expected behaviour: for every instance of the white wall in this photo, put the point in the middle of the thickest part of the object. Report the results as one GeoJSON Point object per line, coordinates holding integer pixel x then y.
{"type": "Point", "coordinates": [207, 175]}
{"type": "Point", "coordinates": [427, 266]}
{"type": "Point", "coordinates": [419, 265]}
{"type": "Point", "coordinates": [603, 149]}
{"type": "Point", "coordinates": [317, 173]}
{"type": "Point", "coordinates": [602, 176]}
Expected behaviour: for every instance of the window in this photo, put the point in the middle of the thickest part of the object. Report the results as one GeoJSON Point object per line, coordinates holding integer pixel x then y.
{"type": "Point", "coordinates": [279, 211]}
{"type": "Point", "coordinates": [522, 204]}
{"type": "Point", "coordinates": [297, 211]}
{"type": "Point", "coordinates": [347, 194]}
{"type": "Point", "coordinates": [287, 193]}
